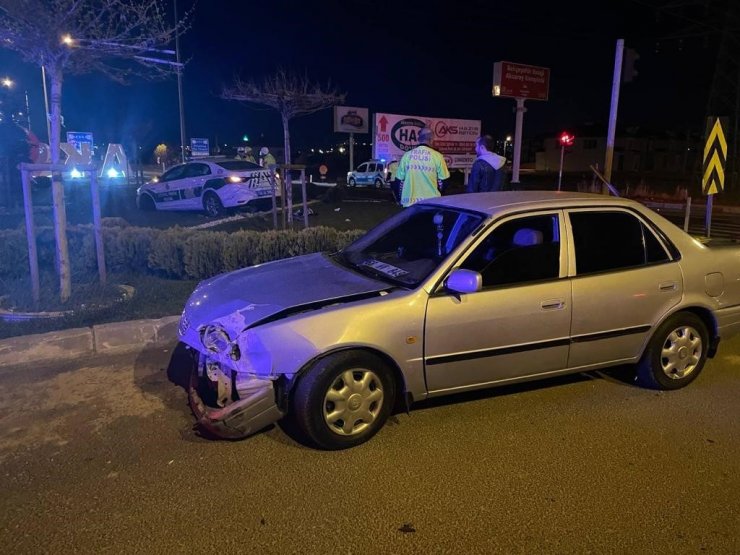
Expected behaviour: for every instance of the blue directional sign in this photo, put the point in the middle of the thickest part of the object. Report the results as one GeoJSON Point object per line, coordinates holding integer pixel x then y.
{"type": "Point", "coordinates": [199, 147]}
{"type": "Point", "coordinates": [78, 138]}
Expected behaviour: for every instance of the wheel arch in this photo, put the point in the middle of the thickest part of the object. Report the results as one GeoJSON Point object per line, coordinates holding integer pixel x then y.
{"type": "Point", "coordinates": [149, 198]}
{"type": "Point", "coordinates": [213, 184]}
{"type": "Point", "coordinates": [709, 321]}
{"type": "Point", "coordinates": [705, 315]}
{"type": "Point", "coordinates": [403, 398]}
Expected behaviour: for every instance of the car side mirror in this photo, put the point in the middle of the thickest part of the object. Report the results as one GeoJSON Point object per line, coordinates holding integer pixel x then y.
{"type": "Point", "coordinates": [464, 281]}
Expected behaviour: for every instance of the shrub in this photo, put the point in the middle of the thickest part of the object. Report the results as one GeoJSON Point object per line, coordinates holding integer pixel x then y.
{"type": "Point", "coordinates": [175, 252]}
{"type": "Point", "coordinates": [166, 255]}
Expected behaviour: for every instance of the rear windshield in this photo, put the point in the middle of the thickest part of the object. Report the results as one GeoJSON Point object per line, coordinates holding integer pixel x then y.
{"type": "Point", "coordinates": [239, 165]}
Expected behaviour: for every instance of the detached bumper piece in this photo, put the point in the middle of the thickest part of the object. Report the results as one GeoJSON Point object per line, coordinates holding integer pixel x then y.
{"type": "Point", "coordinates": [242, 418]}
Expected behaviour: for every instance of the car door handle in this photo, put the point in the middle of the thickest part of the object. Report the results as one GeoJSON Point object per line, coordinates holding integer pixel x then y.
{"type": "Point", "coordinates": [668, 286]}
{"type": "Point", "coordinates": [552, 304]}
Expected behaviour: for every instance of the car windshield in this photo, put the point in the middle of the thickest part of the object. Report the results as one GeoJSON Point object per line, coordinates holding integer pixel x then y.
{"type": "Point", "coordinates": [239, 165]}
{"type": "Point", "coordinates": [409, 246]}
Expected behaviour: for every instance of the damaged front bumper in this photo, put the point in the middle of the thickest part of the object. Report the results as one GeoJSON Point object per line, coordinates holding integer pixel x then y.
{"type": "Point", "coordinates": [254, 410]}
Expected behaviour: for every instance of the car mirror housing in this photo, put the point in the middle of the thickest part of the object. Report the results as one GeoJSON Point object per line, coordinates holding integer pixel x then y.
{"type": "Point", "coordinates": [464, 281]}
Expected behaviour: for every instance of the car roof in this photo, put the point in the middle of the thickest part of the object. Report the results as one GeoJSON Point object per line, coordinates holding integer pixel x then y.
{"type": "Point", "coordinates": [507, 201]}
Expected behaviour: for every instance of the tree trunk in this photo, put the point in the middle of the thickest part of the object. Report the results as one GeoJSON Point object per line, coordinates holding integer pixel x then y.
{"type": "Point", "coordinates": [57, 189]}
{"type": "Point", "coordinates": [286, 177]}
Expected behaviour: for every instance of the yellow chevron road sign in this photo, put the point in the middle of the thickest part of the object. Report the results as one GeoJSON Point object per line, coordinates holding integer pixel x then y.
{"type": "Point", "coordinates": [715, 156]}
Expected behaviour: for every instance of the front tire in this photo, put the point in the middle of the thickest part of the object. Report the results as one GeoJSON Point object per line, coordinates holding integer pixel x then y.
{"type": "Point", "coordinates": [212, 205]}
{"type": "Point", "coordinates": [146, 204]}
{"type": "Point", "coordinates": [378, 183]}
{"type": "Point", "coordinates": [351, 182]}
{"type": "Point", "coordinates": [343, 400]}
{"type": "Point", "coordinates": [676, 353]}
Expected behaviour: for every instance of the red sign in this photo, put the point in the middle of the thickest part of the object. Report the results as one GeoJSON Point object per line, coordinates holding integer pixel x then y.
{"type": "Point", "coordinates": [521, 81]}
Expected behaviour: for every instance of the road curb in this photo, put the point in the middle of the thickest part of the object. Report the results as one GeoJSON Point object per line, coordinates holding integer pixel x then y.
{"type": "Point", "coordinates": [113, 338]}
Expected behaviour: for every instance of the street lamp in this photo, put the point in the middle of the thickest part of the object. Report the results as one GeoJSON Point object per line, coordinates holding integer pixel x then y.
{"type": "Point", "coordinates": [565, 139]}
{"type": "Point", "coordinates": [8, 83]}
{"type": "Point", "coordinates": [144, 55]}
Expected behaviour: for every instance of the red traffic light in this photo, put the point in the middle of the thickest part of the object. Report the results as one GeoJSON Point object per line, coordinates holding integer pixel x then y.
{"type": "Point", "coordinates": [566, 139]}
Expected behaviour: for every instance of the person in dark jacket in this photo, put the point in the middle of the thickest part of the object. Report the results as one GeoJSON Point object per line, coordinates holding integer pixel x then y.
{"type": "Point", "coordinates": [487, 173]}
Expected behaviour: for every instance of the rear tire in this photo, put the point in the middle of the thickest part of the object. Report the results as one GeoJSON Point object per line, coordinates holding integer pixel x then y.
{"type": "Point", "coordinates": [343, 400]}
{"type": "Point", "coordinates": [212, 205]}
{"type": "Point", "coordinates": [676, 353]}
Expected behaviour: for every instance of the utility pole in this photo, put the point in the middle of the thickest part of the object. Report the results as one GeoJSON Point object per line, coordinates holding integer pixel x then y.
{"type": "Point", "coordinates": [179, 87]}
{"type": "Point", "coordinates": [46, 106]}
{"type": "Point", "coordinates": [717, 26]}
{"type": "Point", "coordinates": [613, 114]}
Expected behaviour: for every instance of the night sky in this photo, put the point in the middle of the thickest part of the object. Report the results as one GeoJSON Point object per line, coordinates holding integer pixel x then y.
{"type": "Point", "coordinates": [419, 58]}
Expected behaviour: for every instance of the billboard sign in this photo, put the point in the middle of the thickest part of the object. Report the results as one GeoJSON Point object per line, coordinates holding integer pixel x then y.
{"type": "Point", "coordinates": [455, 138]}
{"type": "Point", "coordinates": [521, 81]}
{"type": "Point", "coordinates": [199, 147]}
{"type": "Point", "coordinates": [79, 138]}
{"type": "Point", "coordinates": [348, 119]}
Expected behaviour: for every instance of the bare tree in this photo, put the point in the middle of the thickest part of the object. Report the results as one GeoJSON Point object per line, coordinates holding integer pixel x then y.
{"type": "Point", "coordinates": [120, 38]}
{"type": "Point", "coordinates": [292, 95]}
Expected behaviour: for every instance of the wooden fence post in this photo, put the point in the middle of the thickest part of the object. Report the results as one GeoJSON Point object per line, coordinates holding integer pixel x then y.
{"type": "Point", "coordinates": [97, 226]}
{"type": "Point", "coordinates": [33, 259]}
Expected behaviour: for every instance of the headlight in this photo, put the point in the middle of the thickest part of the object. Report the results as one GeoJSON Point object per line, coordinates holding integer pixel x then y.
{"type": "Point", "coordinates": [215, 339]}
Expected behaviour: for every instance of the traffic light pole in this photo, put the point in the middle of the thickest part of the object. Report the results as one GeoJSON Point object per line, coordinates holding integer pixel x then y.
{"type": "Point", "coordinates": [613, 113]}
{"type": "Point", "coordinates": [562, 154]}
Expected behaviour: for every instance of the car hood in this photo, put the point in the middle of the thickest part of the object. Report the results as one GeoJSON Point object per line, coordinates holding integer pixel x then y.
{"type": "Point", "coordinates": [239, 299]}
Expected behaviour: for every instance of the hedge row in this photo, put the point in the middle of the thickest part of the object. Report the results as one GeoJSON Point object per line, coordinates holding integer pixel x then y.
{"type": "Point", "coordinates": [177, 253]}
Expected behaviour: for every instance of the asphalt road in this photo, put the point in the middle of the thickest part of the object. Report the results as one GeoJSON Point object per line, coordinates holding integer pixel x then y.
{"type": "Point", "coordinates": [100, 457]}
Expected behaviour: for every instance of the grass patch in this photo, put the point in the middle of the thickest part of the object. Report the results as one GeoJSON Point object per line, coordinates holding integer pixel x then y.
{"type": "Point", "coordinates": [93, 304]}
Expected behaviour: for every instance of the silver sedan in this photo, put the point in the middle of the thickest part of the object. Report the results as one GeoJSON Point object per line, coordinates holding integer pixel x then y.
{"type": "Point", "coordinates": [456, 294]}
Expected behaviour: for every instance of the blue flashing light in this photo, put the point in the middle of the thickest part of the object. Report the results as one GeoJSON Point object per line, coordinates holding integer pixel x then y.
{"type": "Point", "coordinates": [75, 173]}
{"type": "Point", "coordinates": [113, 173]}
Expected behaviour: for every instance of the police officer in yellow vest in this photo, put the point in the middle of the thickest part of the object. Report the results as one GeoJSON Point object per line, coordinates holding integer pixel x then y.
{"type": "Point", "coordinates": [421, 170]}
{"type": "Point", "coordinates": [267, 160]}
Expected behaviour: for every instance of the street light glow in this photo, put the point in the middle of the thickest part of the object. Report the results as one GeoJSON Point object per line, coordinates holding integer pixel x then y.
{"type": "Point", "coordinates": [67, 39]}
{"type": "Point", "coordinates": [7, 82]}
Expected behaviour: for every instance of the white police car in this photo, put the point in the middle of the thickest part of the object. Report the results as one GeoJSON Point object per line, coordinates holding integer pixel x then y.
{"type": "Point", "coordinates": [211, 186]}
{"type": "Point", "coordinates": [368, 174]}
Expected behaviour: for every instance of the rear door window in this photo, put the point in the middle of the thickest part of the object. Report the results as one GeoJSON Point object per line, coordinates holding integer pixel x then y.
{"type": "Point", "coordinates": [613, 240]}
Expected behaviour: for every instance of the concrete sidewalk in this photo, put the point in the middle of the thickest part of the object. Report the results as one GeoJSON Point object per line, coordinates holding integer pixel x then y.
{"type": "Point", "coordinates": [117, 337]}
